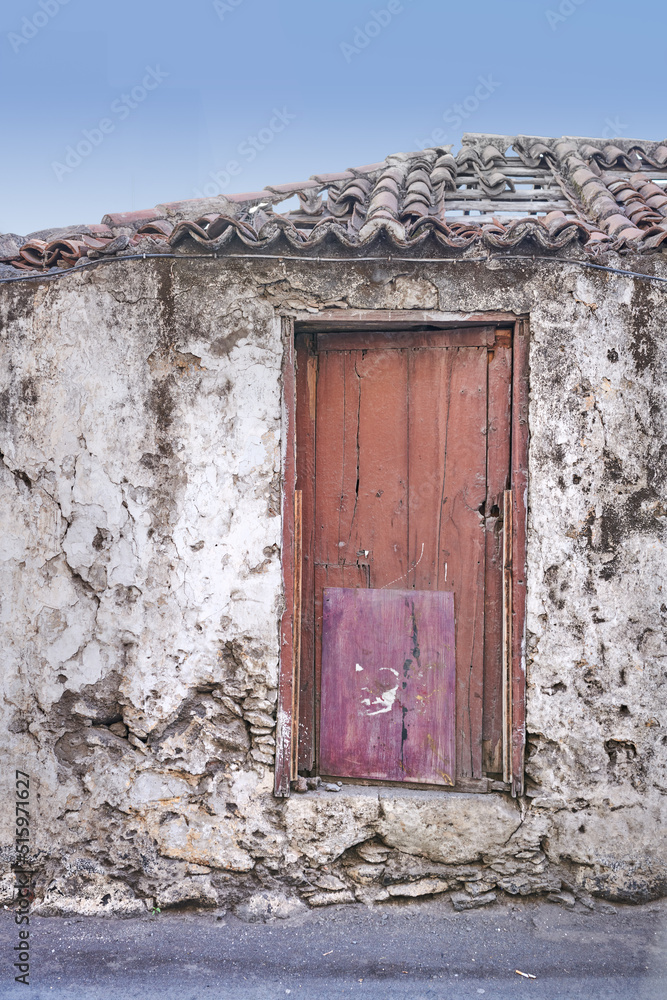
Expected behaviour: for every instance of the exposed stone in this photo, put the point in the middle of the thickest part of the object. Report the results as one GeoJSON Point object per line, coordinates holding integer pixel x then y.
{"type": "Point", "coordinates": [524, 885]}
{"type": "Point", "coordinates": [90, 895]}
{"type": "Point", "coordinates": [331, 898]}
{"type": "Point", "coordinates": [405, 867]}
{"type": "Point", "coordinates": [231, 705]}
{"type": "Point", "coordinates": [194, 890]}
{"type": "Point", "coordinates": [373, 852]}
{"type": "Point", "coordinates": [265, 906]}
{"type": "Point", "coordinates": [479, 888]}
{"type": "Point", "coordinates": [462, 901]}
{"type": "Point", "coordinates": [366, 874]}
{"type": "Point", "coordinates": [259, 719]}
{"type": "Point", "coordinates": [423, 887]}
{"type": "Point", "coordinates": [452, 828]}
{"type": "Point", "coordinates": [368, 895]}
{"type": "Point", "coordinates": [330, 882]}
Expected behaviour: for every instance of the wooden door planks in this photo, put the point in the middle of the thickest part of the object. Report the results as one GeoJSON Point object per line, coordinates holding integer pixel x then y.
{"type": "Point", "coordinates": [430, 392]}
{"type": "Point", "coordinates": [447, 475]}
{"type": "Point", "coordinates": [462, 551]}
{"type": "Point", "coordinates": [296, 641]}
{"type": "Point", "coordinates": [380, 523]}
{"type": "Point", "coordinates": [306, 388]}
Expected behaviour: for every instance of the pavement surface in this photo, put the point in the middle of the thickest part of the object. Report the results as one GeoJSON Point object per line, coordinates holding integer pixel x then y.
{"type": "Point", "coordinates": [387, 952]}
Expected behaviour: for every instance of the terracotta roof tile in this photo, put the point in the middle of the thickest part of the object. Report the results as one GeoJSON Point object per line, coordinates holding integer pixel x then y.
{"type": "Point", "coordinates": [498, 192]}
{"type": "Point", "coordinates": [118, 219]}
{"type": "Point", "coordinates": [250, 196]}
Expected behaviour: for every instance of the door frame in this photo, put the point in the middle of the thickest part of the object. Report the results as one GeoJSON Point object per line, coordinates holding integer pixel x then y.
{"type": "Point", "coordinates": [287, 722]}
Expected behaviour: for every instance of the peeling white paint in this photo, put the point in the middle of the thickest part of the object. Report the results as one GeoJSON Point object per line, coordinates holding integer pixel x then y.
{"type": "Point", "coordinates": [387, 699]}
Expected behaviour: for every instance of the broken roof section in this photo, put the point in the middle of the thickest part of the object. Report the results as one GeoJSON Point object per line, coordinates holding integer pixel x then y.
{"type": "Point", "coordinates": [497, 193]}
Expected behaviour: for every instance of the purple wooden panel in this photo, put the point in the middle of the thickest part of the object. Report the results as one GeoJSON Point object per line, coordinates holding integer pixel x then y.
{"type": "Point", "coordinates": [388, 685]}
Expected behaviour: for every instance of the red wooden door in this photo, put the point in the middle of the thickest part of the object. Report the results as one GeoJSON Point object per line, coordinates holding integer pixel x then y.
{"type": "Point", "coordinates": [401, 467]}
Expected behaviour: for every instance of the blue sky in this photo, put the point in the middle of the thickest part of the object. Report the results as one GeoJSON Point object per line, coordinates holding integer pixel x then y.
{"type": "Point", "coordinates": [280, 89]}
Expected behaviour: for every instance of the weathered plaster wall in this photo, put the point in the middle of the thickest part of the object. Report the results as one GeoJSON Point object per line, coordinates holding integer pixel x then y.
{"type": "Point", "coordinates": [141, 594]}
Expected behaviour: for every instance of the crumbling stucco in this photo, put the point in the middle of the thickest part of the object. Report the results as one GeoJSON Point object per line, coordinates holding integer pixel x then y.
{"type": "Point", "coordinates": [140, 499]}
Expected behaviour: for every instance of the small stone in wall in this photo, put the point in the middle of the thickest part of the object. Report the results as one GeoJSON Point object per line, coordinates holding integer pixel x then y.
{"type": "Point", "coordinates": [365, 874]}
{"type": "Point", "coordinates": [478, 888]}
{"type": "Point", "coordinates": [194, 891]}
{"type": "Point", "coordinates": [372, 895]}
{"type": "Point", "coordinates": [260, 719]}
{"type": "Point", "coordinates": [424, 887]}
{"type": "Point", "coordinates": [330, 882]}
{"type": "Point", "coordinates": [372, 852]}
{"type": "Point", "coordinates": [264, 906]}
{"type": "Point", "coordinates": [231, 705]}
{"type": "Point", "coordinates": [525, 885]}
{"type": "Point", "coordinates": [462, 901]}
{"type": "Point", "coordinates": [331, 898]}
{"type": "Point", "coordinates": [136, 742]}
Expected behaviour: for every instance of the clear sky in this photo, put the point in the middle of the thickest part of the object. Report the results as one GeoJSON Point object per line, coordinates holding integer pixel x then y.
{"type": "Point", "coordinates": [119, 105]}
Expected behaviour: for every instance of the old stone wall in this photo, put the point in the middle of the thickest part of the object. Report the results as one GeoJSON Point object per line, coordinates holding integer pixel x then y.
{"type": "Point", "coordinates": [140, 431]}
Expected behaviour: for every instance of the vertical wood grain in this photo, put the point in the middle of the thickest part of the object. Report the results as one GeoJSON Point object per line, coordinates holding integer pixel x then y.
{"type": "Point", "coordinates": [430, 390]}
{"type": "Point", "coordinates": [306, 390]}
{"type": "Point", "coordinates": [462, 546]}
{"type": "Point", "coordinates": [379, 524]}
{"type": "Point", "coordinates": [296, 641]}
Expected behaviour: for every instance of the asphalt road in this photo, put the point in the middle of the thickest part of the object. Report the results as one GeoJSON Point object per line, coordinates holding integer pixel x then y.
{"type": "Point", "coordinates": [414, 951]}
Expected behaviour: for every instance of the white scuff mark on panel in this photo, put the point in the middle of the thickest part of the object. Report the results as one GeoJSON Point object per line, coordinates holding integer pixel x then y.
{"type": "Point", "coordinates": [394, 672]}
{"type": "Point", "coordinates": [358, 667]}
{"type": "Point", "coordinates": [386, 699]}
